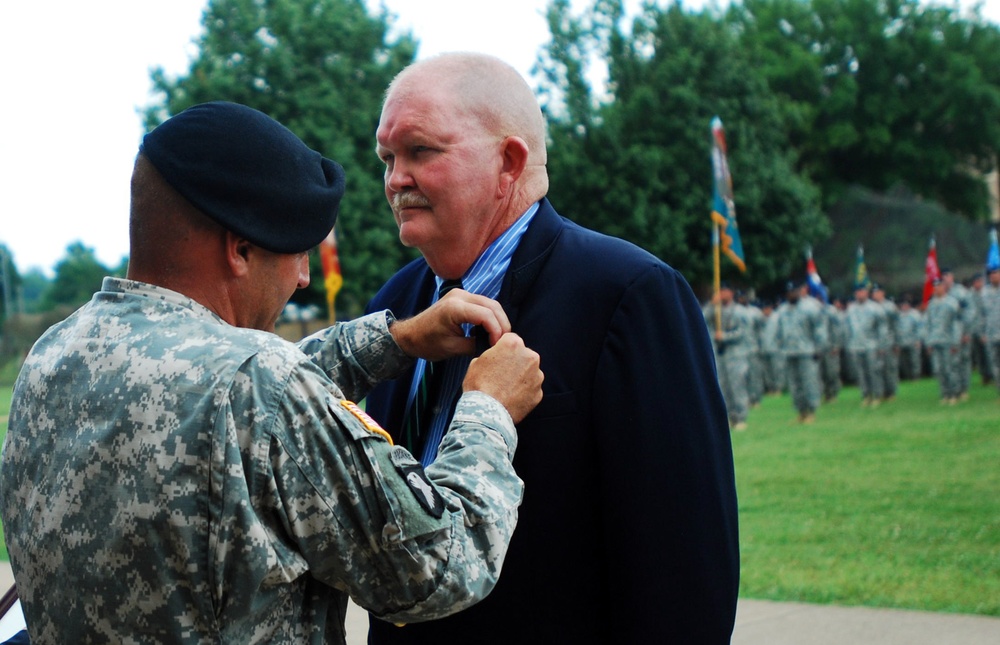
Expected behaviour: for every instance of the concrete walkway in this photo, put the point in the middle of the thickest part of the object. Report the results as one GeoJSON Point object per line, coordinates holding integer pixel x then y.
{"type": "Point", "coordinates": [762, 622]}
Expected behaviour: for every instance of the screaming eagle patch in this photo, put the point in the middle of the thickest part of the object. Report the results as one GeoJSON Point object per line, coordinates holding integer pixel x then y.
{"type": "Point", "coordinates": [419, 484]}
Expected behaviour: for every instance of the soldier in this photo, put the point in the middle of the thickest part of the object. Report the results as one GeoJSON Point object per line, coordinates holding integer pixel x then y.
{"type": "Point", "coordinates": [753, 314]}
{"type": "Point", "coordinates": [909, 332]}
{"type": "Point", "coordinates": [864, 321]}
{"type": "Point", "coordinates": [991, 316]}
{"type": "Point", "coordinates": [802, 336]}
{"type": "Point", "coordinates": [174, 472]}
{"type": "Point", "coordinates": [963, 296]}
{"type": "Point", "coordinates": [774, 360]}
{"type": "Point", "coordinates": [731, 336]}
{"type": "Point", "coordinates": [830, 363]}
{"type": "Point", "coordinates": [888, 342]}
{"type": "Point", "coordinates": [943, 338]}
{"type": "Point", "coordinates": [980, 361]}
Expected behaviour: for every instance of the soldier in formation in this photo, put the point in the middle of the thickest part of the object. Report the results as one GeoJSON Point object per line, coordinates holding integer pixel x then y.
{"type": "Point", "coordinates": [732, 339]}
{"type": "Point", "coordinates": [980, 360]}
{"type": "Point", "coordinates": [966, 314]}
{"type": "Point", "coordinates": [865, 320]}
{"type": "Point", "coordinates": [888, 342]}
{"type": "Point", "coordinates": [943, 339]}
{"type": "Point", "coordinates": [908, 334]}
{"type": "Point", "coordinates": [802, 336]}
{"type": "Point", "coordinates": [830, 361]}
{"type": "Point", "coordinates": [991, 321]}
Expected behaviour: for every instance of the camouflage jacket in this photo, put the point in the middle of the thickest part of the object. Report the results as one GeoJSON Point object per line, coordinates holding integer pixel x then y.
{"type": "Point", "coordinates": [864, 324]}
{"type": "Point", "coordinates": [802, 327]}
{"type": "Point", "coordinates": [170, 478]}
{"type": "Point", "coordinates": [991, 313]}
{"type": "Point", "coordinates": [943, 322]}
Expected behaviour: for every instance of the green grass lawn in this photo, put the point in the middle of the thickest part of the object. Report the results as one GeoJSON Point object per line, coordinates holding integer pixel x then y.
{"type": "Point", "coordinates": [897, 506]}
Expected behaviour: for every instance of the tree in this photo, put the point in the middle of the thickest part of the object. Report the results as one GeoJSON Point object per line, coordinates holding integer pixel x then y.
{"type": "Point", "coordinates": [320, 67]}
{"type": "Point", "coordinates": [883, 92]}
{"type": "Point", "coordinates": [77, 277]}
{"type": "Point", "coordinates": [637, 164]}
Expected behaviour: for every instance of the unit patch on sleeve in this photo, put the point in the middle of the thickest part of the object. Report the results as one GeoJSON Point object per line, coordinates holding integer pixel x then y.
{"type": "Point", "coordinates": [419, 484]}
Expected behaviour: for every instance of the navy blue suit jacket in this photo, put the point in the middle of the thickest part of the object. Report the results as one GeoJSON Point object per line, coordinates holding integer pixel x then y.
{"type": "Point", "coordinates": [628, 529]}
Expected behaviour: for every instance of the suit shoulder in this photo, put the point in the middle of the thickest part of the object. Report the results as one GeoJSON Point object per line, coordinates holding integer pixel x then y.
{"type": "Point", "coordinates": [607, 256]}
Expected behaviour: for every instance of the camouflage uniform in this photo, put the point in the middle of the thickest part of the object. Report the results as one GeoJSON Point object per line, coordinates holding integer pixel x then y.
{"type": "Point", "coordinates": [170, 478]}
{"type": "Point", "coordinates": [830, 361]}
{"type": "Point", "coordinates": [732, 359]}
{"type": "Point", "coordinates": [965, 320]}
{"type": "Point", "coordinates": [991, 328]}
{"type": "Point", "coordinates": [756, 320]}
{"type": "Point", "coordinates": [774, 361]}
{"type": "Point", "coordinates": [802, 336]}
{"type": "Point", "coordinates": [888, 347]}
{"type": "Point", "coordinates": [864, 320]}
{"type": "Point", "coordinates": [943, 336]}
{"type": "Point", "coordinates": [980, 359]}
{"type": "Point", "coordinates": [909, 332]}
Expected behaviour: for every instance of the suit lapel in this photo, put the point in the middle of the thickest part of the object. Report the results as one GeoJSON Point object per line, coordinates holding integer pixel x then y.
{"type": "Point", "coordinates": [529, 258]}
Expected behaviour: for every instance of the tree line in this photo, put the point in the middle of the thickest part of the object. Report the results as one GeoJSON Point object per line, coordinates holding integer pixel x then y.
{"type": "Point", "coordinates": [819, 98]}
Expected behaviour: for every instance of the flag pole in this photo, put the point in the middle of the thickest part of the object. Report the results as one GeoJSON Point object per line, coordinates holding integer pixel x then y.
{"type": "Point", "coordinates": [717, 279]}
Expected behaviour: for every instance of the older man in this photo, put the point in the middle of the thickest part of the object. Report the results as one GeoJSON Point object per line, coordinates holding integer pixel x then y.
{"type": "Point", "coordinates": [628, 529]}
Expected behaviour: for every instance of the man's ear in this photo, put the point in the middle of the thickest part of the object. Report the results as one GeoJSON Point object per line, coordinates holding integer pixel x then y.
{"type": "Point", "coordinates": [237, 253]}
{"type": "Point", "coordinates": [514, 153]}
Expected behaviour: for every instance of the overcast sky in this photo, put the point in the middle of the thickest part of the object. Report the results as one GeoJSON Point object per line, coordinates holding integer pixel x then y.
{"type": "Point", "coordinates": [74, 75]}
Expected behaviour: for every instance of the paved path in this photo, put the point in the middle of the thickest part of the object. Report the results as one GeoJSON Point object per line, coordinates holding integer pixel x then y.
{"type": "Point", "coordinates": [762, 622]}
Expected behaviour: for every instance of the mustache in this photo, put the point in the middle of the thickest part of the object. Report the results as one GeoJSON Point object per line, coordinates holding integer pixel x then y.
{"type": "Point", "coordinates": [409, 200]}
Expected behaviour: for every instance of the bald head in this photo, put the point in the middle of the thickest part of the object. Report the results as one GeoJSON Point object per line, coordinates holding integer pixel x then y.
{"type": "Point", "coordinates": [485, 86]}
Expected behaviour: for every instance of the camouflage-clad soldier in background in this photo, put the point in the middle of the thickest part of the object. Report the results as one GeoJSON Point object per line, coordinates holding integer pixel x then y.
{"type": "Point", "coordinates": [909, 332]}
{"type": "Point", "coordinates": [943, 339]}
{"type": "Point", "coordinates": [961, 293]}
{"type": "Point", "coordinates": [991, 316]}
{"type": "Point", "coordinates": [731, 338]}
{"type": "Point", "coordinates": [888, 342]}
{"type": "Point", "coordinates": [774, 361]}
{"type": "Point", "coordinates": [864, 321]}
{"type": "Point", "coordinates": [829, 363]}
{"type": "Point", "coordinates": [176, 473]}
{"type": "Point", "coordinates": [980, 360]}
{"type": "Point", "coordinates": [755, 373]}
{"type": "Point", "coordinates": [802, 336]}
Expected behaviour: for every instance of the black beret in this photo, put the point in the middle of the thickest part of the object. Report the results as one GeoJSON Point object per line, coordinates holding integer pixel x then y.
{"type": "Point", "coordinates": [249, 173]}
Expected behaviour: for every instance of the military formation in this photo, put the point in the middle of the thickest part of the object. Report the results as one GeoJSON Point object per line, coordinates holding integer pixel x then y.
{"type": "Point", "coordinates": [810, 348]}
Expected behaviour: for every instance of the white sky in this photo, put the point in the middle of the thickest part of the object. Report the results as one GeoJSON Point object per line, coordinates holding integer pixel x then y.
{"type": "Point", "coordinates": [74, 75]}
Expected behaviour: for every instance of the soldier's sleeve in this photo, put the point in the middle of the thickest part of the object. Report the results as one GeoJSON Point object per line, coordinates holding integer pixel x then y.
{"type": "Point", "coordinates": [407, 544]}
{"type": "Point", "coordinates": [357, 355]}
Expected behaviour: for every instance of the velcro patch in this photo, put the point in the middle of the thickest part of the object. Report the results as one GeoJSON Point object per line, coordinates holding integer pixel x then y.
{"type": "Point", "coordinates": [366, 420]}
{"type": "Point", "coordinates": [419, 484]}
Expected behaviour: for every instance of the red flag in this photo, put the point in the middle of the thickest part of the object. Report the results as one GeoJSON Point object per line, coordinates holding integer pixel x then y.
{"type": "Point", "coordinates": [332, 279]}
{"type": "Point", "coordinates": [931, 273]}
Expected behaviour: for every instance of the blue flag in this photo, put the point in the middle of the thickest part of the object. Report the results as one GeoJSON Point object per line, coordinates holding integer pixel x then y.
{"type": "Point", "coordinates": [723, 207]}
{"type": "Point", "coordinates": [993, 257]}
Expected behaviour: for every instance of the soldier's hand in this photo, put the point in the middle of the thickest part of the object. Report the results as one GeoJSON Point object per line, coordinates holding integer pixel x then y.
{"type": "Point", "coordinates": [436, 333]}
{"type": "Point", "coordinates": [509, 372]}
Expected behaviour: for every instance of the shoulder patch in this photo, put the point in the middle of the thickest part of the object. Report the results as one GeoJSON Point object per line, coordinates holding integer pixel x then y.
{"type": "Point", "coordinates": [366, 420]}
{"type": "Point", "coordinates": [419, 484]}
